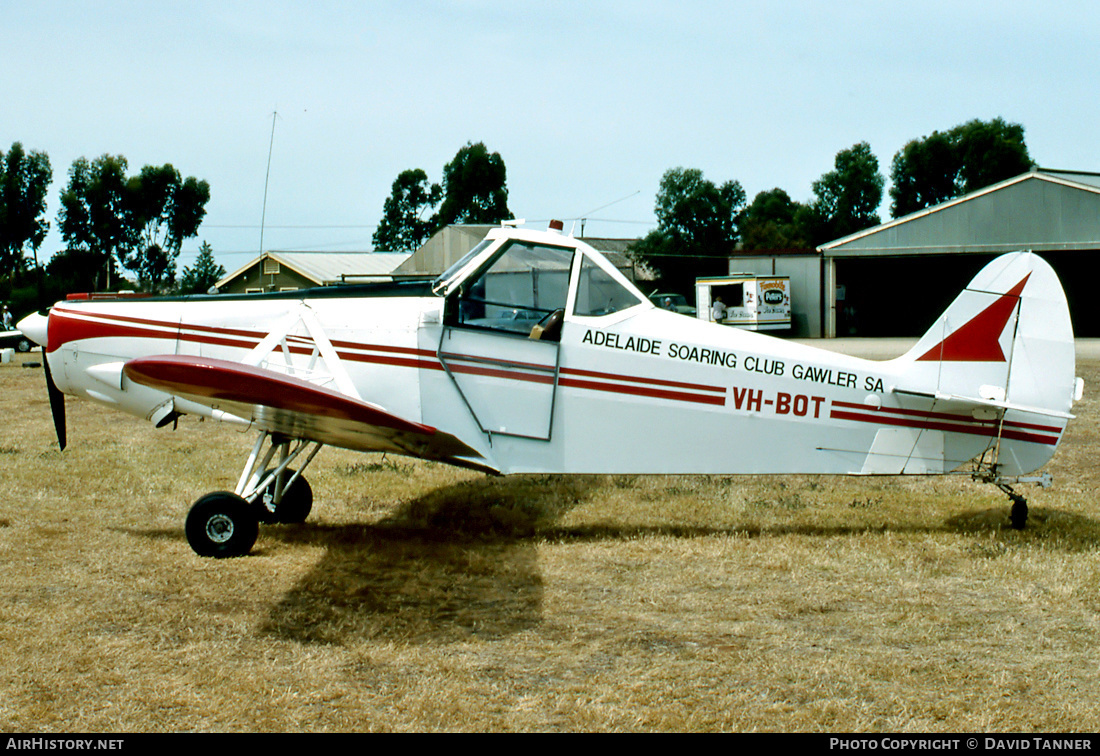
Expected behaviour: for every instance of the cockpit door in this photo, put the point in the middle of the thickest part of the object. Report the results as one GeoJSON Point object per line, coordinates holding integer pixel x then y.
{"type": "Point", "coordinates": [509, 384]}
{"type": "Point", "coordinates": [500, 341]}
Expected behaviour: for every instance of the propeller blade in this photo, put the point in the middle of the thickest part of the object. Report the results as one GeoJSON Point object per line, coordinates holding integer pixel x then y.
{"type": "Point", "coordinates": [57, 403]}
{"type": "Point", "coordinates": [36, 327]}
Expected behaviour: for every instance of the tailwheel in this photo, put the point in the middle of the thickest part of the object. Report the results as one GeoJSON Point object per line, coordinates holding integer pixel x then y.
{"type": "Point", "coordinates": [221, 524]}
{"type": "Point", "coordinates": [295, 503]}
{"type": "Point", "coordinates": [1018, 515]}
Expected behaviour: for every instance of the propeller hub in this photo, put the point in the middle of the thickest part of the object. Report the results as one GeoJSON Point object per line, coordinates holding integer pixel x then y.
{"type": "Point", "coordinates": [35, 327]}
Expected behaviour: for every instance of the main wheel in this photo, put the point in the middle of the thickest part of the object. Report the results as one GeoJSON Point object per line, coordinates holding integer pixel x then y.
{"type": "Point", "coordinates": [296, 504]}
{"type": "Point", "coordinates": [221, 524]}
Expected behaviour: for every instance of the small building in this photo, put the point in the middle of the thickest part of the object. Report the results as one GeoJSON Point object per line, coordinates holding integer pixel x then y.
{"type": "Point", "coordinates": [290, 271]}
{"type": "Point", "coordinates": [445, 247]}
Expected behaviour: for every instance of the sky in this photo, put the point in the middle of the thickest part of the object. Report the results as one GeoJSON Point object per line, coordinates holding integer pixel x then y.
{"type": "Point", "coordinates": [588, 103]}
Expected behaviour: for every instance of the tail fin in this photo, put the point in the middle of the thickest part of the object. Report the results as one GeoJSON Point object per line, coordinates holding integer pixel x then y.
{"type": "Point", "coordinates": [1004, 349]}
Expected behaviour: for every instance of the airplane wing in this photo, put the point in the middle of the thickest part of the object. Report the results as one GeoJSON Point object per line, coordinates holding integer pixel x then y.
{"type": "Point", "coordinates": [281, 403]}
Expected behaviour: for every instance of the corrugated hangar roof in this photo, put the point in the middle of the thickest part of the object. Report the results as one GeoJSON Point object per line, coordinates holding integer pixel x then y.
{"type": "Point", "coordinates": [1042, 210]}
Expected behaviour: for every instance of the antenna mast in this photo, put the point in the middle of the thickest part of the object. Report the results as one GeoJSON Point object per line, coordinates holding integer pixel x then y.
{"type": "Point", "coordinates": [267, 177]}
{"type": "Point", "coordinates": [584, 218]}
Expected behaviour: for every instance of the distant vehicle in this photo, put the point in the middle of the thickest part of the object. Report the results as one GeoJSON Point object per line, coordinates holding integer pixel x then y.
{"type": "Point", "coordinates": [15, 340]}
{"type": "Point", "coordinates": [509, 319]}
{"type": "Point", "coordinates": [673, 302]}
{"type": "Point", "coordinates": [756, 303]}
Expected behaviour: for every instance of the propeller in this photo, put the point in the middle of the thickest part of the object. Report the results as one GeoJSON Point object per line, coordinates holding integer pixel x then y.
{"type": "Point", "coordinates": [36, 327]}
{"type": "Point", "coordinates": [57, 402]}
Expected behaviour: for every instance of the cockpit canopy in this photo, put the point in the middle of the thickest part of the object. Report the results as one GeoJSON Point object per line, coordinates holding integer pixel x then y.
{"type": "Point", "coordinates": [514, 280]}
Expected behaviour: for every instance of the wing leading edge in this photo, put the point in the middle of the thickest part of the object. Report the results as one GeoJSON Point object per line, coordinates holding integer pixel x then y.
{"type": "Point", "coordinates": [281, 403]}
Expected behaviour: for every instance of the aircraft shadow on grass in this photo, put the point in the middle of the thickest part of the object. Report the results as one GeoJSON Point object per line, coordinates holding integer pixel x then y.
{"type": "Point", "coordinates": [456, 562]}
{"type": "Point", "coordinates": [462, 560]}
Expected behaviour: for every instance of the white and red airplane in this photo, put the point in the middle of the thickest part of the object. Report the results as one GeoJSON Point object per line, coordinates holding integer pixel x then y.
{"type": "Point", "coordinates": [534, 354]}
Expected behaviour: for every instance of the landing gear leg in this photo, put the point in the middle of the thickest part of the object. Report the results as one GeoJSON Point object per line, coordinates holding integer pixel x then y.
{"type": "Point", "coordinates": [279, 493]}
{"type": "Point", "coordinates": [223, 524]}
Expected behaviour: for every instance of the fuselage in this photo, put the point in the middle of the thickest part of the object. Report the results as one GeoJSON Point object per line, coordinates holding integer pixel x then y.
{"type": "Point", "coordinates": [621, 387]}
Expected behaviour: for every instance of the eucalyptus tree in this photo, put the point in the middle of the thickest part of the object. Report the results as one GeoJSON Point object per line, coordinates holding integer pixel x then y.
{"type": "Point", "coordinates": [846, 199]}
{"type": "Point", "coordinates": [167, 209]}
{"type": "Point", "coordinates": [945, 165]}
{"type": "Point", "coordinates": [24, 179]}
{"type": "Point", "coordinates": [138, 222]}
{"type": "Point", "coordinates": [697, 228]}
{"type": "Point", "coordinates": [404, 226]}
{"type": "Point", "coordinates": [475, 188]}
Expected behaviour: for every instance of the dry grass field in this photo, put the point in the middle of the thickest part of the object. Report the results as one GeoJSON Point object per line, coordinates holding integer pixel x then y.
{"type": "Point", "coordinates": [423, 598]}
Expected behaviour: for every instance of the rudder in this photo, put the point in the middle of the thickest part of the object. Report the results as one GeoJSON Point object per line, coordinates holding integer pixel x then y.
{"type": "Point", "coordinates": [1005, 345]}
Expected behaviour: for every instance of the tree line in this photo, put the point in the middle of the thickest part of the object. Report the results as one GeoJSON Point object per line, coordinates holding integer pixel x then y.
{"type": "Point", "coordinates": [112, 222]}
{"type": "Point", "coordinates": [699, 223]}
{"type": "Point", "coordinates": [108, 220]}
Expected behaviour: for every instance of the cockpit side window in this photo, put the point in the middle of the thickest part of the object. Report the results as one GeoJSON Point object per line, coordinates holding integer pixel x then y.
{"type": "Point", "coordinates": [600, 294]}
{"type": "Point", "coordinates": [522, 286]}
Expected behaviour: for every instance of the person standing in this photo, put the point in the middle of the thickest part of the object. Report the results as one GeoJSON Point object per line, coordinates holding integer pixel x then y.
{"type": "Point", "coordinates": [718, 310]}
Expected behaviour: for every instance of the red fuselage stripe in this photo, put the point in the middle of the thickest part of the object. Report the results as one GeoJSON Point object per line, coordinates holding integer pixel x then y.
{"type": "Point", "coordinates": [638, 379]}
{"type": "Point", "coordinates": [974, 430]}
{"type": "Point", "coordinates": [67, 326]}
{"type": "Point", "coordinates": [642, 391]}
{"type": "Point", "coordinates": [945, 416]}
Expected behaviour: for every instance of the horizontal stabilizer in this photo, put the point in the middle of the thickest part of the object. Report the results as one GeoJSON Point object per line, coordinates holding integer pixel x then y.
{"type": "Point", "coordinates": [994, 404]}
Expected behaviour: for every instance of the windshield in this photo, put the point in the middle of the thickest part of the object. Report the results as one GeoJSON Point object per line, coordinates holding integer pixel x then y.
{"type": "Point", "coordinates": [452, 271]}
{"type": "Point", "coordinates": [525, 283]}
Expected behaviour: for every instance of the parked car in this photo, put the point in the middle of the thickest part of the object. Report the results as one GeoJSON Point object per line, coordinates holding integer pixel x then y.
{"type": "Point", "coordinates": [15, 340]}
{"type": "Point", "coordinates": [517, 320]}
{"type": "Point", "coordinates": [674, 302]}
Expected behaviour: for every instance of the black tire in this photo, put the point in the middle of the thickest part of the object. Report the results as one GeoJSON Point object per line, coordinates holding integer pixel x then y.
{"type": "Point", "coordinates": [221, 525]}
{"type": "Point", "coordinates": [1018, 516]}
{"type": "Point", "coordinates": [296, 505]}
{"type": "Point", "coordinates": [24, 345]}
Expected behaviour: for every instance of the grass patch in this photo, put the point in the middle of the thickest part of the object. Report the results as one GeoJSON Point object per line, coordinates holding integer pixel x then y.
{"type": "Point", "coordinates": [420, 597]}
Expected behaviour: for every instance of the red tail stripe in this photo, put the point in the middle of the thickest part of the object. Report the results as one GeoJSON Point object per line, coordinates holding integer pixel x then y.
{"type": "Point", "coordinates": [978, 340]}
